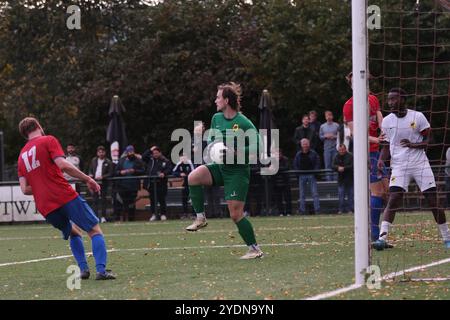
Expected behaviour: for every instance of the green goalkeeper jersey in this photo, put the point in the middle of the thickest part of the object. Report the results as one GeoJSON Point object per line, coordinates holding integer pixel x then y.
{"type": "Point", "coordinates": [238, 133]}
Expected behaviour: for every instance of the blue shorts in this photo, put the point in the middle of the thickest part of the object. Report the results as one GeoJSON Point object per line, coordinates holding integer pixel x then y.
{"type": "Point", "coordinates": [375, 176]}
{"type": "Point", "coordinates": [76, 211]}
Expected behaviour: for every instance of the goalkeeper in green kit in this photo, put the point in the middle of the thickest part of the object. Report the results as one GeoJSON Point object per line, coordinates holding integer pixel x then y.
{"type": "Point", "coordinates": [228, 125]}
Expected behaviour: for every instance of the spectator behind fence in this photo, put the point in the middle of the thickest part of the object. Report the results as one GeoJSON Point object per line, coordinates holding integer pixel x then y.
{"type": "Point", "coordinates": [307, 159]}
{"type": "Point", "coordinates": [129, 166]}
{"type": "Point", "coordinates": [75, 159]}
{"type": "Point", "coordinates": [100, 169]}
{"type": "Point", "coordinates": [447, 176]}
{"type": "Point", "coordinates": [255, 192]}
{"type": "Point", "coordinates": [344, 136]}
{"type": "Point", "coordinates": [212, 193]}
{"type": "Point", "coordinates": [313, 122]}
{"type": "Point", "coordinates": [305, 131]}
{"type": "Point", "coordinates": [182, 169]}
{"type": "Point", "coordinates": [328, 134]}
{"type": "Point", "coordinates": [343, 164]}
{"type": "Point", "coordinates": [280, 183]}
{"type": "Point", "coordinates": [159, 167]}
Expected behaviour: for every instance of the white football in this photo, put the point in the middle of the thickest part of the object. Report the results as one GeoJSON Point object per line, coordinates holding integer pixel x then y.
{"type": "Point", "coordinates": [217, 152]}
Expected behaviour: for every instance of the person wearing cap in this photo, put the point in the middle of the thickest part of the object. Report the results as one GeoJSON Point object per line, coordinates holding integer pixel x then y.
{"type": "Point", "coordinates": [129, 166]}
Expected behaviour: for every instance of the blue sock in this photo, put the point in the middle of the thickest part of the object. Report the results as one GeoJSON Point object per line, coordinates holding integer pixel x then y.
{"type": "Point", "coordinates": [99, 251]}
{"type": "Point", "coordinates": [376, 207]}
{"type": "Point", "coordinates": [76, 244]}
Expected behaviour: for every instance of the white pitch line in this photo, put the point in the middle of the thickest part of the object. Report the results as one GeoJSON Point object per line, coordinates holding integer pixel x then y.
{"type": "Point", "coordinates": [386, 277]}
{"type": "Point", "coordinates": [428, 279]}
{"type": "Point", "coordinates": [44, 225]}
{"type": "Point", "coordinates": [333, 293]}
{"type": "Point", "coordinates": [183, 232]}
{"type": "Point", "coordinates": [35, 260]}
{"type": "Point", "coordinates": [159, 233]}
{"type": "Point", "coordinates": [400, 273]}
{"type": "Point", "coordinates": [174, 248]}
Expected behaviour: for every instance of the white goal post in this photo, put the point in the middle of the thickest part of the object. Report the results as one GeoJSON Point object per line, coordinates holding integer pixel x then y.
{"type": "Point", "coordinates": [360, 139]}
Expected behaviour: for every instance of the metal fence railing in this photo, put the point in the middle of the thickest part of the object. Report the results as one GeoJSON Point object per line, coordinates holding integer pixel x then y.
{"type": "Point", "coordinates": [267, 195]}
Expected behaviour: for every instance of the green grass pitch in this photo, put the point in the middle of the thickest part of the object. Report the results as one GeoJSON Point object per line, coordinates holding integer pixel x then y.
{"type": "Point", "coordinates": [305, 256]}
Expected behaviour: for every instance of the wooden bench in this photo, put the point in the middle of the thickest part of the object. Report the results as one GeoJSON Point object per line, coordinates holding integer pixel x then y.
{"type": "Point", "coordinates": [328, 196]}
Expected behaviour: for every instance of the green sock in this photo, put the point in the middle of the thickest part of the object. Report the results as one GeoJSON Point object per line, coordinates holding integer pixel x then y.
{"type": "Point", "coordinates": [246, 231]}
{"type": "Point", "coordinates": [197, 197]}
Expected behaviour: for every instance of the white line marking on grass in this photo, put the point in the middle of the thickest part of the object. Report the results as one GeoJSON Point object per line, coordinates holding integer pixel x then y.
{"type": "Point", "coordinates": [35, 260]}
{"type": "Point", "coordinates": [335, 292]}
{"type": "Point", "coordinates": [181, 232]}
{"type": "Point", "coordinates": [400, 273]}
{"type": "Point", "coordinates": [385, 278]}
{"type": "Point", "coordinates": [426, 279]}
{"type": "Point", "coordinates": [44, 225]}
{"type": "Point", "coordinates": [174, 248]}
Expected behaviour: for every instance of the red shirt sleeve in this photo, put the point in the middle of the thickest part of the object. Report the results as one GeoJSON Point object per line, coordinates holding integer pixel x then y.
{"type": "Point", "coordinates": [54, 148]}
{"type": "Point", "coordinates": [374, 104]}
{"type": "Point", "coordinates": [20, 172]}
{"type": "Point", "coordinates": [348, 111]}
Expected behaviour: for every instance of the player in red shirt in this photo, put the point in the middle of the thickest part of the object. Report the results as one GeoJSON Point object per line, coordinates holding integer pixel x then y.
{"type": "Point", "coordinates": [378, 183]}
{"type": "Point", "coordinates": [40, 165]}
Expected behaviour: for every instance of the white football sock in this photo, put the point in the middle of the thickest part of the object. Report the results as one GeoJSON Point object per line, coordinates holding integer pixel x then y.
{"type": "Point", "coordinates": [443, 228]}
{"type": "Point", "coordinates": [201, 215]}
{"type": "Point", "coordinates": [385, 225]}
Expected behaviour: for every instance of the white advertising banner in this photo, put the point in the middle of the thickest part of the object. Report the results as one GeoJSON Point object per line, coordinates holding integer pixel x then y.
{"type": "Point", "coordinates": [15, 206]}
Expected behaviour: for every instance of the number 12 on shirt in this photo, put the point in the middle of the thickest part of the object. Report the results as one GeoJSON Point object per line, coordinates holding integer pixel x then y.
{"type": "Point", "coordinates": [34, 163]}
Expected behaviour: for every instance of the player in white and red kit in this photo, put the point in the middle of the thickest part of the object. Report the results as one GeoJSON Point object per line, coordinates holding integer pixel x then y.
{"type": "Point", "coordinates": [41, 165]}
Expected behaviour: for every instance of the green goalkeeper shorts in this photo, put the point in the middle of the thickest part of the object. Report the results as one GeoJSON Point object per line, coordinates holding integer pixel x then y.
{"type": "Point", "coordinates": [235, 180]}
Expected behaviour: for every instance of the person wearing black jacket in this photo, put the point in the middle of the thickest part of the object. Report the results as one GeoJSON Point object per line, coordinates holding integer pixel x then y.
{"type": "Point", "coordinates": [129, 166]}
{"type": "Point", "coordinates": [306, 160]}
{"type": "Point", "coordinates": [281, 184]}
{"type": "Point", "coordinates": [182, 169]}
{"type": "Point", "coordinates": [255, 192]}
{"type": "Point", "coordinates": [159, 167]}
{"type": "Point", "coordinates": [306, 131]}
{"type": "Point", "coordinates": [100, 169]}
{"type": "Point", "coordinates": [343, 164]}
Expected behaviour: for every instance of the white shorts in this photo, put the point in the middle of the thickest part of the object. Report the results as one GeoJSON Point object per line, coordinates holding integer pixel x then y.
{"type": "Point", "coordinates": [422, 175]}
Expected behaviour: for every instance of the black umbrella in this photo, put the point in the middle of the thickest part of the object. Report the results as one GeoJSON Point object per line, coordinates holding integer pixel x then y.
{"type": "Point", "coordinates": [115, 135]}
{"type": "Point", "coordinates": [266, 119]}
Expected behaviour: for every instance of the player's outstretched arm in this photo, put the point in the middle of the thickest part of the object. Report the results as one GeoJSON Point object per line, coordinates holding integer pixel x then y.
{"type": "Point", "coordinates": [25, 187]}
{"type": "Point", "coordinates": [73, 171]}
{"type": "Point", "coordinates": [384, 155]}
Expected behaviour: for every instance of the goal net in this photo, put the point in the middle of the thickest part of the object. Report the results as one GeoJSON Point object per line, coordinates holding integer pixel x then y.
{"type": "Point", "coordinates": [411, 51]}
